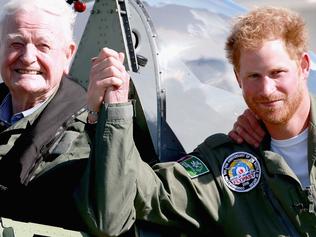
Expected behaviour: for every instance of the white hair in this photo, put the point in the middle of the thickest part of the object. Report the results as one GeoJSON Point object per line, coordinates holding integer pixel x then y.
{"type": "Point", "coordinates": [60, 8]}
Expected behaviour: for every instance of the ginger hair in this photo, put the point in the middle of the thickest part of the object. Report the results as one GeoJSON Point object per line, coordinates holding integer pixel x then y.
{"type": "Point", "coordinates": [263, 24]}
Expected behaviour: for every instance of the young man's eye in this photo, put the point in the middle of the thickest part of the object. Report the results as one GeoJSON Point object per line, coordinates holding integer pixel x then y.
{"type": "Point", "coordinates": [254, 76]}
{"type": "Point", "coordinates": [277, 73]}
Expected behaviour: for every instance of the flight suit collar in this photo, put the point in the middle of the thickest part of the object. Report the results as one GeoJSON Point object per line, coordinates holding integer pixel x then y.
{"type": "Point", "coordinates": [275, 164]}
{"type": "Point", "coordinates": [312, 140]}
{"type": "Point", "coordinates": [26, 121]}
{"type": "Point", "coordinates": [30, 119]}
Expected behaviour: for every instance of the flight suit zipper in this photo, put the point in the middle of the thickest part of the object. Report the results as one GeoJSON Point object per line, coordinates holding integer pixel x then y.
{"type": "Point", "coordinates": [282, 217]}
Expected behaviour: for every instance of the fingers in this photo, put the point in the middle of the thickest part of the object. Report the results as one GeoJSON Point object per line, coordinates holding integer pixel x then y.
{"type": "Point", "coordinates": [107, 73]}
{"type": "Point", "coordinates": [255, 126]}
{"type": "Point", "coordinates": [99, 64]}
{"type": "Point", "coordinates": [234, 135]}
{"type": "Point", "coordinates": [239, 135]}
{"type": "Point", "coordinates": [120, 94]}
{"type": "Point", "coordinates": [247, 128]}
{"type": "Point", "coordinates": [107, 52]}
{"type": "Point", "coordinates": [108, 69]}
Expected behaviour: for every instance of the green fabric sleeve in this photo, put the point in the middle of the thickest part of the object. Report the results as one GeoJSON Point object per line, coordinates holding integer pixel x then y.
{"type": "Point", "coordinates": [119, 187]}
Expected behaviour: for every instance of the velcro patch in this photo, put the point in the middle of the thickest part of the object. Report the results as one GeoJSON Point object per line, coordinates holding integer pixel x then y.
{"type": "Point", "coordinates": [194, 166]}
{"type": "Point", "coordinates": [241, 171]}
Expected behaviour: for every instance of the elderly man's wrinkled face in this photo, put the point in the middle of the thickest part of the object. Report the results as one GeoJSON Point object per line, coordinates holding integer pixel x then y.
{"type": "Point", "coordinates": [33, 53]}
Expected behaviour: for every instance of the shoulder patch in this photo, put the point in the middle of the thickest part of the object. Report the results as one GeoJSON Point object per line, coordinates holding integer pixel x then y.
{"type": "Point", "coordinates": [194, 166]}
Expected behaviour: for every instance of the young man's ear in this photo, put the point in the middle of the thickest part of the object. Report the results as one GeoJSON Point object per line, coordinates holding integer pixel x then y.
{"type": "Point", "coordinates": [305, 63]}
{"type": "Point", "coordinates": [237, 77]}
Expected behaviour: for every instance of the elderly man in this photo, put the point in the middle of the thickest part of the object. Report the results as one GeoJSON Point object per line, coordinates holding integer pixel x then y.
{"type": "Point", "coordinates": [221, 188]}
{"type": "Point", "coordinates": [44, 146]}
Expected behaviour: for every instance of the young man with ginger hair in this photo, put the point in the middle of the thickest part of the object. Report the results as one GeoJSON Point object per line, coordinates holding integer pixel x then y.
{"type": "Point", "coordinates": [222, 187]}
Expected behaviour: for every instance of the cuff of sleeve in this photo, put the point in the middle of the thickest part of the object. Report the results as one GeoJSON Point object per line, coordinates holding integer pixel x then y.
{"type": "Point", "coordinates": [118, 111]}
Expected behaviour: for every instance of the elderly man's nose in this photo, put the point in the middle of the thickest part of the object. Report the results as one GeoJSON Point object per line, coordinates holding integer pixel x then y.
{"type": "Point", "coordinates": [29, 54]}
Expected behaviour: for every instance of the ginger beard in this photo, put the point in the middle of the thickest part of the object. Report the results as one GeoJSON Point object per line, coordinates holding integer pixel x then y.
{"type": "Point", "coordinates": [282, 110]}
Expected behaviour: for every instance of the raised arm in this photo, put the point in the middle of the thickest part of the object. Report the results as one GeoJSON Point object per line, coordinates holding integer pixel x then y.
{"type": "Point", "coordinates": [107, 94]}
{"type": "Point", "coordinates": [118, 187]}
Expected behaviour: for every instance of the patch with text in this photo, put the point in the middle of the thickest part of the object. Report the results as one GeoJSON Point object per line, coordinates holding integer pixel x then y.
{"type": "Point", "coordinates": [241, 171]}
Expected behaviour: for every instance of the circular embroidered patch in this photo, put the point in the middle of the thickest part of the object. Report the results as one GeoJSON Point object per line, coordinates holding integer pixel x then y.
{"type": "Point", "coordinates": [241, 171]}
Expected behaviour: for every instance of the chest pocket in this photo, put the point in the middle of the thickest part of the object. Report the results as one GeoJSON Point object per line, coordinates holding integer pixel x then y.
{"type": "Point", "coordinates": [306, 201]}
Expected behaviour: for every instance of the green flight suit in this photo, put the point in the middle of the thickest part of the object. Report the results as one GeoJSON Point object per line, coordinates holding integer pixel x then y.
{"type": "Point", "coordinates": [120, 187]}
{"type": "Point", "coordinates": [46, 196]}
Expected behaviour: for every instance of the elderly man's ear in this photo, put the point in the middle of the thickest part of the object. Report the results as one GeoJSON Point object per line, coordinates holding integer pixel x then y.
{"type": "Point", "coordinates": [70, 52]}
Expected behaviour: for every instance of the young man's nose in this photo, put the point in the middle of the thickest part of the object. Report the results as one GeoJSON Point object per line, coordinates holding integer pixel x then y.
{"type": "Point", "coordinates": [268, 85]}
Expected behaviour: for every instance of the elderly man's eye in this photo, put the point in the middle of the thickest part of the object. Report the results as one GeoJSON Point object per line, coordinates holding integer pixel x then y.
{"type": "Point", "coordinates": [43, 47]}
{"type": "Point", "coordinates": [17, 45]}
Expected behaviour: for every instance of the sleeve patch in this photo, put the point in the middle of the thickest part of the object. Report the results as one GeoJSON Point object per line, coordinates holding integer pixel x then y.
{"type": "Point", "coordinates": [194, 166]}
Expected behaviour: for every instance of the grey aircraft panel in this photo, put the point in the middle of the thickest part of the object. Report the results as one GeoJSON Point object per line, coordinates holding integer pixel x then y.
{"type": "Point", "coordinates": [187, 80]}
{"type": "Point", "coordinates": [202, 96]}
